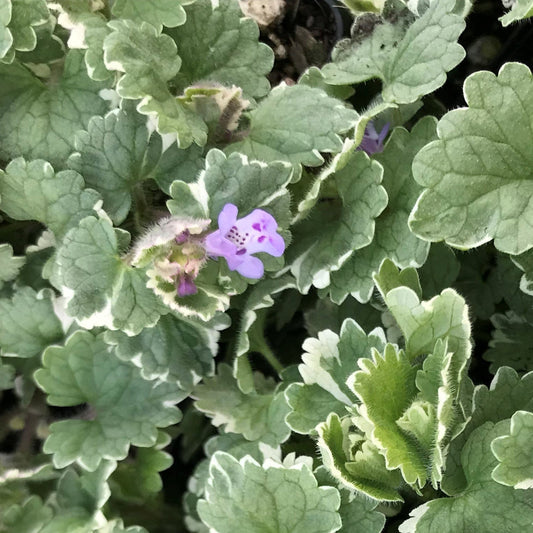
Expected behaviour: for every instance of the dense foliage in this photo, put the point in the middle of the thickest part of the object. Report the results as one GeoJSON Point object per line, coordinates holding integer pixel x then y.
{"type": "Point", "coordinates": [234, 308]}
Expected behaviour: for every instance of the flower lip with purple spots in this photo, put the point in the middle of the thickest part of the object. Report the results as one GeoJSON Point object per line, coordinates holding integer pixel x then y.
{"type": "Point", "coordinates": [236, 240]}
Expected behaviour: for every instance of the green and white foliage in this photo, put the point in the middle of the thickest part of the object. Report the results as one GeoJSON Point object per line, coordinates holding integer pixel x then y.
{"type": "Point", "coordinates": [477, 146]}
{"type": "Point", "coordinates": [520, 9]}
{"type": "Point", "coordinates": [410, 55]}
{"type": "Point", "coordinates": [513, 452]}
{"type": "Point", "coordinates": [122, 407]}
{"type": "Point", "coordinates": [338, 226]}
{"type": "Point", "coordinates": [279, 497]}
{"type": "Point", "coordinates": [342, 387]}
{"type": "Point", "coordinates": [115, 153]}
{"type": "Point", "coordinates": [175, 350]}
{"type": "Point", "coordinates": [328, 362]}
{"type": "Point", "coordinates": [295, 124]}
{"type": "Point", "coordinates": [503, 505]}
{"type": "Point", "coordinates": [409, 432]}
{"type": "Point", "coordinates": [392, 237]}
{"type": "Point", "coordinates": [229, 45]}
{"type": "Point", "coordinates": [258, 415]}
{"type": "Point", "coordinates": [29, 323]}
{"type": "Point", "coordinates": [56, 110]}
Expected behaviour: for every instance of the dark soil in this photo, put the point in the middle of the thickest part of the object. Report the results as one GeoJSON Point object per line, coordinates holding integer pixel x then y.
{"type": "Point", "coordinates": [305, 39]}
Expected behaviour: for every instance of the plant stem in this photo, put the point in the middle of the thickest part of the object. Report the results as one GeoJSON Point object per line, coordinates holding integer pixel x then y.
{"type": "Point", "coordinates": [140, 205]}
{"type": "Point", "coordinates": [258, 343]}
{"type": "Point", "coordinates": [264, 349]}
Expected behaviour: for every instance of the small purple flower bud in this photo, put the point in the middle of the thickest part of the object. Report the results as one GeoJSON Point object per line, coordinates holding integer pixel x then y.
{"type": "Point", "coordinates": [183, 237]}
{"type": "Point", "coordinates": [372, 142]}
{"type": "Point", "coordinates": [236, 240]}
{"type": "Point", "coordinates": [186, 286]}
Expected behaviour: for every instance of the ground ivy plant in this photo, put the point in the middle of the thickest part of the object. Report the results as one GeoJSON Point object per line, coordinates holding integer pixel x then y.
{"type": "Point", "coordinates": [232, 307]}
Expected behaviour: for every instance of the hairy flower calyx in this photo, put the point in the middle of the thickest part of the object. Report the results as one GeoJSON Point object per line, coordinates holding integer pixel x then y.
{"type": "Point", "coordinates": [176, 251]}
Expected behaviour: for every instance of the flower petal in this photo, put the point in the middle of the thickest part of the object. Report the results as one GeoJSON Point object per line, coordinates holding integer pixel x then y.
{"type": "Point", "coordinates": [217, 245]}
{"type": "Point", "coordinates": [227, 218]}
{"type": "Point", "coordinates": [186, 286]}
{"type": "Point", "coordinates": [383, 133]}
{"type": "Point", "coordinates": [251, 267]}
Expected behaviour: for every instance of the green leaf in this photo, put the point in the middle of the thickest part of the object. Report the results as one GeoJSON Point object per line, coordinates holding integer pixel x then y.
{"type": "Point", "coordinates": [178, 163]}
{"type": "Point", "coordinates": [514, 451]}
{"type": "Point", "coordinates": [133, 305]}
{"type": "Point", "coordinates": [49, 48]}
{"type": "Point", "coordinates": [257, 416]}
{"type": "Point", "coordinates": [235, 445]}
{"type": "Point", "coordinates": [393, 372]}
{"type": "Point", "coordinates": [148, 60]}
{"type": "Point", "coordinates": [294, 124]}
{"type": "Point", "coordinates": [88, 266]}
{"type": "Point", "coordinates": [123, 408]}
{"type": "Point", "coordinates": [314, 77]}
{"type": "Point", "coordinates": [229, 45]}
{"type": "Point", "coordinates": [510, 343]}
{"type": "Point", "coordinates": [484, 505]}
{"type": "Point", "coordinates": [230, 179]}
{"type": "Point", "coordinates": [391, 277]}
{"type": "Point", "coordinates": [326, 315]}
{"type": "Point", "coordinates": [439, 383]}
{"type": "Point", "coordinates": [392, 236]}
{"type": "Point", "coordinates": [483, 151]}
{"type": "Point", "coordinates": [117, 526]}
{"type": "Point", "coordinates": [525, 263]}
{"type": "Point", "coordinates": [88, 29]}
{"type": "Point", "coordinates": [158, 13]}
{"type": "Point", "coordinates": [7, 376]}
{"type": "Point", "coordinates": [10, 264]}
{"type": "Point", "coordinates": [28, 323]}
{"type": "Point", "coordinates": [75, 506]}
{"type": "Point", "coordinates": [137, 478]}
{"type": "Point", "coordinates": [54, 113]}
{"type": "Point", "coordinates": [28, 517]}
{"type": "Point", "coordinates": [243, 497]}
{"type": "Point", "coordinates": [477, 281]}
{"type": "Point", "coordinates": [411, 56]}
{"type": "Point", "coordinates": [358, 514]}
{"type": "Point", "coordinates": [520, 10]}
{"type": "Point", "coordinates": [337, 227]}
{"type": "Point", "coordinates": [439, 271]}
{"type": "Point", "coordinates": [33, 191]}
{"type": "Point", "coordinates": [6, 37]}
{"type": "Point", "coordinates": [508, 393]}
{"type": "Point", "coordinates": [174, 350]}
{"type": "Point", "coordinates": [328, 362]}
{"type": "Point", "coordinates": [114, 155]}
{"type": "Point", "coordinates": [88, 491]}
{"type": "Point", "coordinates": [423, 323]}
{"type": "Point", "coordinates": [260, 297]}
{"type": "Point", "coordinates": [21, 17]}
{"type": "Point", "coordinates": [310, 405]}
{"type": "Point", "coordinates": [508, 277]}
{"type": "Point", "coordinates": [357, 465]}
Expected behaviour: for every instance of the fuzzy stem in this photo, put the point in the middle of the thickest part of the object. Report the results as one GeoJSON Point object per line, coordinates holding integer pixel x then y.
{"type": "Point", "coordinates": [265, 350]}
{"type": "Point", "coordinates": [259, 344]}
{"type": "Point", "coordinates": [140, 206]}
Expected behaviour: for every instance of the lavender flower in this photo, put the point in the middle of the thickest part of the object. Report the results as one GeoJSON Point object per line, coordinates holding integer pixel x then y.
{"type": "Point", "coordinates": [236, 240]}
{"type": "Point", "coordinates": [372, 142]}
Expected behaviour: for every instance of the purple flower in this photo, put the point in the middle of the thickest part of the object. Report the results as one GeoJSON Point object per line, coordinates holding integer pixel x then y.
{"type": "Point", "coordinates": [236, 240]}
{"type": "Point", "coordinates": [186, 286]}
{"type": "Point", "coordinates": [372, 142]}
